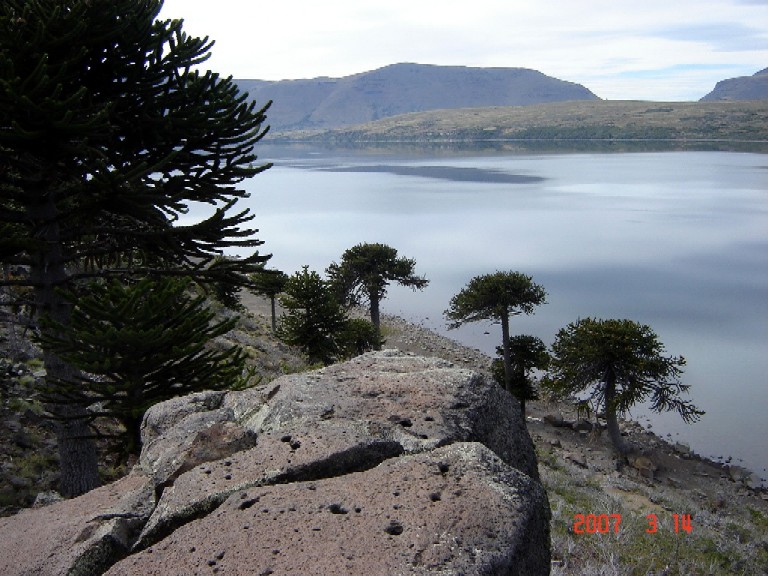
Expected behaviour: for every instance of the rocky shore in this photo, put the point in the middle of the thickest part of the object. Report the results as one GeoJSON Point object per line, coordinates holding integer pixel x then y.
{"type": "Point", "coordinates": [583, 475]}
{"type": "Point", "coordinates": [710, 518]}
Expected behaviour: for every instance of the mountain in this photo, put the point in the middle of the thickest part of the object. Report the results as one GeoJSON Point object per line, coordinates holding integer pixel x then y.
{"type": "Point", "coordinates": [401, 88]}
{"type": "Point", "coordinates": [753, 87]}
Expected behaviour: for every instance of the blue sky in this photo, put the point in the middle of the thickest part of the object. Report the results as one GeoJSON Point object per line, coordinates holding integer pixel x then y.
{"type": "Point", "coordinates": [663, 50]}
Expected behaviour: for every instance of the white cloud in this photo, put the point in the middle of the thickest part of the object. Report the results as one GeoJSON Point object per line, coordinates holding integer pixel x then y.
{"type": "Point", "coordinates": [611, 46]}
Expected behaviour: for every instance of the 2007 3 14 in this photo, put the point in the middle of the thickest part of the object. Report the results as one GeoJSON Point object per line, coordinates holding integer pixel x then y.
{"type": "Point", "coordinates": [605, 523]}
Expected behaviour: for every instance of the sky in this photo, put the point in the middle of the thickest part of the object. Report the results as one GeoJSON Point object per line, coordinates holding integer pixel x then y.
{"type": "Point", "coordinates": [662, 50]}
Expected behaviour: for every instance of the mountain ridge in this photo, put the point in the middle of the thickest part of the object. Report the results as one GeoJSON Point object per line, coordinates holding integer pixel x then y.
{"type": "Point", "coordinates": [326, 103]}
{"type": "Point", "coordinates": [753, 87]}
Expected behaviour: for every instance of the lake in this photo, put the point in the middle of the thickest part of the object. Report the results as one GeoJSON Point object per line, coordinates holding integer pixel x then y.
{"type": "Point", "coordinates": [675, 240]}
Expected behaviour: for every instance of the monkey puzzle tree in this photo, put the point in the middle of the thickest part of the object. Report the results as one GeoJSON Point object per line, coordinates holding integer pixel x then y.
{"type": "Point", "coordinates": [496, 297]}
{"type": "Point", "coordinates": [365, 272]}
{"type": "Point", "coordinates": [139, 344]}
{"type": "Point", "coordinates": [621, 363]}
{"type": "Point", "coordinates": [526, 353]}
{"type": "Point", "coordinates": [108, 132]}
{"type": "Point", "coordinates": [313, 317]}
{"type": "Point", "coordinates": [357, 336]}
{"type": "Point", "coordinates": [270, 283]}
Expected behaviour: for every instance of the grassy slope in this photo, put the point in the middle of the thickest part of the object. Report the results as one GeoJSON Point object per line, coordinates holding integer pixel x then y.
{"type": "Point", "coordinates": [676, 121]}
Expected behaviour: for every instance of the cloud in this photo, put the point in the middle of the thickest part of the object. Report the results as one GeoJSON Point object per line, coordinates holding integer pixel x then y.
{"type": "Point", "coordinates": [598, 43]}
{"type": "Point", "coordinates": [729, 37]}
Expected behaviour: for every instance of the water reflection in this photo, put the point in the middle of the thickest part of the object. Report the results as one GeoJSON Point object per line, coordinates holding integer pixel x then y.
{"type": "Point", "coordinates": [677, 240]}
{"type": "Point", "coordinates": [452, 173]}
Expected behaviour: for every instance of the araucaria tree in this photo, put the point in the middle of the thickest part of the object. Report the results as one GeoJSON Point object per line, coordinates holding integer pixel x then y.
{"type": "Point", "coordinates": [620, 363]}
{"type": "Point", "coordinates": [270, 283]}
{"type": "Point", "coordinates": [108, 130]}
{"type": "Point", "coordinates": [139, 344]}
{"type": "Point", "coordinates": [496, 297]}
{"type": "Point", "coordinates": [365, 272]}
{"type": "Point", "coordinates": [527, 353]}
{"type": "Point", "coordinates": [313, 317]}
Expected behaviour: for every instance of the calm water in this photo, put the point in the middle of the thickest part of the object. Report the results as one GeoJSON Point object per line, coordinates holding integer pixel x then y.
{"type": "Point", "coordinates": [676, 240]}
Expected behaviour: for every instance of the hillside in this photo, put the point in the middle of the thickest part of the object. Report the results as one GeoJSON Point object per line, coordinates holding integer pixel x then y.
{"type": "Point", "coordinates": [585, 120]}
{"type": "Point", "coordinates": [753, 87]}
{"type": "Point", "coordinates": [323, 103]}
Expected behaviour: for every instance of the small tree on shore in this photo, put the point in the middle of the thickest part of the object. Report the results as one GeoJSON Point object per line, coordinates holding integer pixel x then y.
{"type": "Point", "coordinates": [270, 283]}
{"type": "Point", "coordinates": [620, 363]}
{"type": "Point", "coordinates": [358, 336]}
{"type": "Point", "coordinates": [496, 297]}
{"type": "Point", "coordinates": [313, 317]}
{"type": "Point", "coordinates": [527, 353]}
{"type": "Point", "coordinates": [365, 272]}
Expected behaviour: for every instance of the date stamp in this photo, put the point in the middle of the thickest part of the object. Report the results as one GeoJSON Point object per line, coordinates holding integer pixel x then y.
{"type": "Point", "coordinates": [605, 523]}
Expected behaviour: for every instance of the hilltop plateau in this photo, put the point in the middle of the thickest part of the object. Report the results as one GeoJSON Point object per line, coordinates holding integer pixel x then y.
{"type": "Point", "coordinates": [323, 103]}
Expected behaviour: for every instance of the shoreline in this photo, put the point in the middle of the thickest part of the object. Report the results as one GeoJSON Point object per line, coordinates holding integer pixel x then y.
{"type": "Point", "coordinates": [411, 337]}
{"type": "Point", "coordinates": [727, 518]}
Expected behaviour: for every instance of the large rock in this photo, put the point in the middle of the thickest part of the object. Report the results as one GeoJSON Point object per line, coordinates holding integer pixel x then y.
{"type": "Point", "coordinates": [77, 537]}
{"type": "Point", "coordinates": [387, 464]}
{"type": "Point", "coordinates": [457, 510]}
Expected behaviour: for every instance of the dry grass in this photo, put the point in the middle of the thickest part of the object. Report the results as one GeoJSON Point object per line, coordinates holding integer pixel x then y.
{"type": "Point", "coordinates": [727, 541]}
{"type": "Point", "coordinates": [579, 120]}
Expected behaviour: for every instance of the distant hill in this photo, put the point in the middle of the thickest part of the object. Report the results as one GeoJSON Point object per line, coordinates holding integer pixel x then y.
{"type": "Point", "coordinates": [323, 103]}
{"type": "Point", "coordinates": [753, 87]}
{"type": "Point", "coordinates": [736, 122]}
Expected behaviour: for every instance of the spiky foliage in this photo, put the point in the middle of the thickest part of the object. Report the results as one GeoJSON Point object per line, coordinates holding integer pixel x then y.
{"type": "Point", "coordinates": [496, 297]}
{"type": "Point", "coordinates": [620, 363]}
{"type": "Point", "coordinates": [313, 317]}
{"type": "Point", "coordinates": [358, 336]}
{"type": "Point", "coordinates": [526, 353]}
{"type": "Point", "coordinates": [140, 344]}
{"type": "Point", "coordinates": [270, 283]}
{"type": "Point", "coordinates": [365, 272]}
{"type": "Point", "coordinates": [108, 130]}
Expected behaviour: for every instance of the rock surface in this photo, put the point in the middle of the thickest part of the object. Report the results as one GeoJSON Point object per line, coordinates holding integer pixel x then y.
{"type": "Point", "coordinates": [77, 537]}
{"type": "Point", "coordinates": [387, 464]}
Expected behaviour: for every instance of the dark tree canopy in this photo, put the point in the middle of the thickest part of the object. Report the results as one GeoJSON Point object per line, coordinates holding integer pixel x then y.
{"type": "Point", "coordinates": [526, 353]}
{"type": "Point", "coordinates": [496, 297]}
{"type": "Point", "coordinates": [313, 316]}
{"type": "Point", "coordinates": [365, 272]}
{"type": "Point", "coordinates": [140, 344]}
{"type": "Point", "coordinates": [107, 132]}
{"type": "Point", "coordinates": [620, 363]}
{"type": "Point", "coordinates": [358, 336]}
{"type": "Point", "coordinates": [107, 135]}
{"type": "Point", "coordinates": [270, 283]}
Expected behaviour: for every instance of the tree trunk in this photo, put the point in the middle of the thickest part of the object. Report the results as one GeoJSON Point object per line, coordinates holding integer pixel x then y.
{"type": "Point", "coordinates": [133, 431]}
{"type": "Point", "coordinates": [274, 316]}
{"type": "Point", "coordinates": [507, 355]}
{"type": "Point", "coordinates": [610, 414]}
{"type": "Point", "coordinates": [375, 317]}
{"type": "Point", "coordinates": [77, 448]}
{"type": "Point", "coordinates": [78, 458]}
{"type": "Point", "coordinates": [522, 381]}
